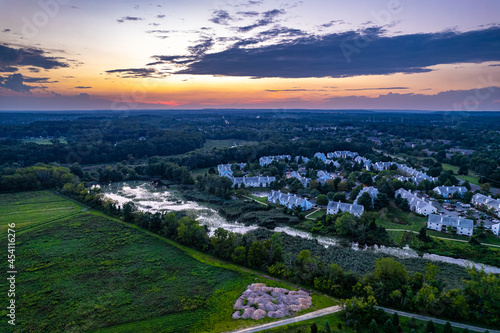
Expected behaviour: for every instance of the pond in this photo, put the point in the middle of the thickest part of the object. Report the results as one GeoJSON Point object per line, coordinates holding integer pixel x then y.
{"type": "Point", "coordinates": [148, 198]}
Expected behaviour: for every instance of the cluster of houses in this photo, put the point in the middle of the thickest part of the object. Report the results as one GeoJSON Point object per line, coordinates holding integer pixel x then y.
{"type": "Point", "coordinates": [413, 174]}
{"type": "Point", "coordinates": [253, 181]}
{"type": "Point", "coordinates": [342, 154]}
{"type": "Point", "coordinates": [225, 170]}
{"type": "Point", "coordinates": [291, 201]}
{"type": "Point", "coordinates": [322, 157]}
{"type": "Point", "coordinates": [304, 180]}
{"type": "Point", "coordinates": [418, 205]}
{"type": "Point", "coordinates": [266, 160]}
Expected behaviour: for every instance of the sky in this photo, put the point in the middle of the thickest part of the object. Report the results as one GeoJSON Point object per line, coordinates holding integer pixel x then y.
{"type": "Point", "coordinates": [193, 54]}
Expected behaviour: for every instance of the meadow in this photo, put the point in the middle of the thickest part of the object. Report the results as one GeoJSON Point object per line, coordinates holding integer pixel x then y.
{"type": "Point", "coordinates": [85, 272]}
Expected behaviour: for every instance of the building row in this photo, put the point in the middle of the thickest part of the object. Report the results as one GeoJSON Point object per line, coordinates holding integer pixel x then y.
{"type": "Point", "coordinates": [336, 207]}
{"type": "Point", "coordinates": [417, 204]}
{"type": "Point", "coordinates": [291, 201]}
{"type": "Point", "coordinates": [482, 200]}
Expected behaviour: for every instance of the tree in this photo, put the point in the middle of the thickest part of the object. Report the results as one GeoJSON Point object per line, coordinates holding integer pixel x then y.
{"type": "Point", "coordinates": [381, 201]}
{"type": "Point", "coordinates": [345, 224]}
{"type": "Point", "coordinates": [485, 188]}
{"type": "Point", "coordinates": [314, 328]}
{"type": "Point", "coordinates": [412, 323]}
{"type": "Point", "coordinates": [447, 328]}
{"type": "Point", "coordinates": [463, 170]}
{"type": "Point", "coordinates": [389, 327]}
{"type": "Point", "coordinates": [430, 328]}
{"type": "Point", "coordinates": [326, 328]}
{"type": "Point", "coordinates": [366, 201]}
{"type": "Point", "coordinates": [373, 327]}
{"type": "Point", "coordinates": [257, 254]}
{"type": "Point", "coordinates": [466, 184]}
{"type": "Point", "coordinates": [129, 210]}
{"type": "Point", "coordinates": [395, 319]}
{"type": "Point", "coordinates": [322, 200]}
{"type": "Point", "coordinates": [239, 255]}
{"type": "Point", "coordinates": [339, 196]}
{"type": "Point", "coordinates": [422, 235]}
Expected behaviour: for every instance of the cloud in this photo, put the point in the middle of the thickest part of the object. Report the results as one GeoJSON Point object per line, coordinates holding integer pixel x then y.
{"type": "Point", "coordinates": [15, 82]}
{"type": "Point", "coordinates": [203, 46]}
{"type": "Point", "coordinates": [129, 18]}
{"type": "Point", "coordinates": [267, 18]}
{"type": "Point", "coordinates": [221, 17]}
{"type": "Point", "coordinates": [8, 69]}
{"type": "Point", "coordinates": [29, 57]}
{"type": "Point", "coordinates": [352, 53]}
{"type": "Point", "coordinates": [249, 13]}
{"type": "Point", "coordinates": [380, 88]}
{"type": "Point", "coordinates": [83, 87]}
{"type": "Point", "coordinates": [160, 16]}
{"type": "Point", "coordinates": [134, 72]}
{"type": "Point", "coordinates": [5, 30]}
{"type": "Point", "coordinates": [298, 89]}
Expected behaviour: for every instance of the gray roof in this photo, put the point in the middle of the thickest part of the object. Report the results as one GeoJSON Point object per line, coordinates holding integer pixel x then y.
{"type": "Point", "coordinates": [453, 221]}
{"type": "Point", "coordinates": [345, 207]}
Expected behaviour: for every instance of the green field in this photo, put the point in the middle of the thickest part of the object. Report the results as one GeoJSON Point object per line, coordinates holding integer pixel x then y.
{"type": "Point", "coordinates": [317, 214]}
{"type": "Point", "coordinates": [87, 272]}
{"type": "Point", "coordinates": [211, 144]}
{"type": "Point", "coordinates": [471, 177]}
{"type": "Point", "coordinates": [45, 141]}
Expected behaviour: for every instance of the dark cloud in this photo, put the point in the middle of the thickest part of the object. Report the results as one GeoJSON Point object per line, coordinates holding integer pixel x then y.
{"type": "Point", "coordinates": [37, 79]}
{"type": "Point", "coordinates": [221, 17]}
{"type": "Point", "coordinates": [134, 72]}
{"type": "Point", "coordinates": [129, 18]}
{"type": "Point", "coordinates": [248, 13]}
{"type": "Point", "coordinates": [15, 82]}
{"type": "Point", "coordinates": [267, 18]}
{"type": "Point", "coordinates": [8, 69]}
{"type": "Point", "coordinates": [298, 89]}
{"type": "Point", "coordinates": [203, 46]}
{"type": "Point", "coordinates": [353, 53]}
{"type": "Point", "coordinates": [160, 16]}
{"type": "Point", "coordinates": [83, 87]}
{"type": "Point", "coordinates": [5, 30]}
{"type": "Point", "coordinates": [331, 23]}
{"type": "Point", "coordinates": [379, 88]}
{"type": "Point", "coordinates": [29, 57]}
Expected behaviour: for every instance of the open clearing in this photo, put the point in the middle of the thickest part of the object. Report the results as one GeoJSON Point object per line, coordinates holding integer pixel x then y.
{"type": "Point", "coordinates": [84, 271]}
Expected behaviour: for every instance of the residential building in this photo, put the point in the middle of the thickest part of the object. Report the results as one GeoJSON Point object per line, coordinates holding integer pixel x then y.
{"type": "Point", "coordinates": [224, 170]}
{"type": "Point", "coordinates": [417, 205]}
{"type": "Point", "coordinates": [380, 166]}
{"type": "Point", "coordinates": [364, 161]}
{"type": "Point", "coordinates": [291, 201]}
{"type": "Point", "coordinates": [320, 156]}
{"type": "Point", "coordinates": [342, 153]}
{"type": "Point", "coordinates": [266, 160]}
{"type": "Point", "coordinates": [253, 181]}
{"type": "Point", "coordinates": [323, 176]}
{"type": "Point", "coordinates": [372, 191]}
{"type": "Point", "coordinates": [413, 174]}
{"type": "Point", "coordinates": [459, 225]}
{"type": "Point", "coordinates": [448, 191]}
{"type": "Point", "coordinates": [304, 159]}
{"type": "Point", "coordinates": [495, 228]}
{"type": "Point", "coordinates": [479, 199]}
{"type": "Point", "coordinates": [335, 207]}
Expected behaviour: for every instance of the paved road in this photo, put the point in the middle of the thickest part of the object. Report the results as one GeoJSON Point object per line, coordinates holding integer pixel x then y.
{"type": "Point", "coordinates": [438, 321]}
{"type": "Point", "coordinates": [306, 316]}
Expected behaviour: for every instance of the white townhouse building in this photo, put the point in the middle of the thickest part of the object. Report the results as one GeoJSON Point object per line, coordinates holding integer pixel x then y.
{"type": "Point", "coordinates": [291, 201]}
{"type": "Point", "coordinates": [342, 153]}
{"type": "Point", "coordinates": [417, 205]}
{"type": "Point", "coordinates": [253, 181]}
{"type": "Point", "coordinates": [480, 199]}
{"type": "Point", "coordinates": [448, 191]}
{"type": "Point", "coordinates": [266, 160]}
{"type": "Point", "coordinates": [334, 207]}
{"type": "Point", "coordinates": [495, 228]}
{"type": "Point", "coordinates": [441, 223]}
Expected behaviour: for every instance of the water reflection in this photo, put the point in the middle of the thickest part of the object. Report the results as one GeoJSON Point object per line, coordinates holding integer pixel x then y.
{"type": "Point", "coordinates": [148, 198]}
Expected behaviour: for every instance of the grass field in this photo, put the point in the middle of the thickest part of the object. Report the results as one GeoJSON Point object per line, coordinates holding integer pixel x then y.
{"type": "Point", "coordinates": [45, 141]}
{"type": "Point", "coordinates": [471, 177]}
{"type": "Point", "coordinates": [211, 144]}
{"type": "Point", "coordinates": [86, 272]}
{"type": "Point", "coordinates": [317, 214]}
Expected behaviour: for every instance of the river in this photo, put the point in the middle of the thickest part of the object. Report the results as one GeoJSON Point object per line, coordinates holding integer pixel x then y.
{"type": "Point", "coordinates": [148, 198]}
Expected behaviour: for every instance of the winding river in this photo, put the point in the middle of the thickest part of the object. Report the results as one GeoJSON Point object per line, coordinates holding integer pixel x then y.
{"type": "Point", "coordinates": [148, 198]}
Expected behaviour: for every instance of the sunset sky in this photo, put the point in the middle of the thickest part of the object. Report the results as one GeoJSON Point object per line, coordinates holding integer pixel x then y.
{"type": "Point", "coordinates": [194, 54]}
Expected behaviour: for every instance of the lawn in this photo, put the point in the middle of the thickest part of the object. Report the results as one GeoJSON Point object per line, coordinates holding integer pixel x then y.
{"type": "Point", "coordinates": [211, 144]}
{"type": "Point", "coordinates": [471, 177]}
{"type": "Point", "coordinates": [87, 272]}
{"type": "Point", "coordinates": [317, 214]}
{"type": "Point", "coordinates": [45, 141]}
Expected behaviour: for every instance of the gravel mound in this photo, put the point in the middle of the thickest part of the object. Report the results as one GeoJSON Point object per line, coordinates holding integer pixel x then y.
{"type": "Point", "coordinates": [259, 301]}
